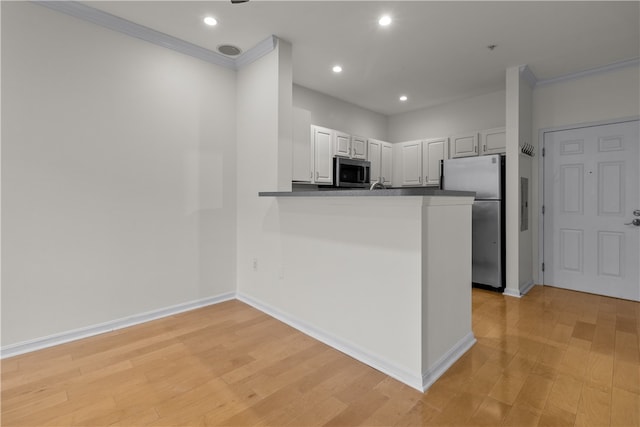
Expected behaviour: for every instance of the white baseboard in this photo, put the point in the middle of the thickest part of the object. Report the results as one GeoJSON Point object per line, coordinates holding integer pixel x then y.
{"type": "Point", "coordinates": [512, 293]}
{"type": "Point", "coordinates": [76, 334]}
{"type": "Point", "coordinates": [350, 349]}
{"type": "Point", "coordinates": [526, 288]}
{"type": "Point", "coordinates": [415, 380]}
{"type": "Point", "coordinates": [445, 362]}
{"type": "Point", "coordinates": [519, 293]}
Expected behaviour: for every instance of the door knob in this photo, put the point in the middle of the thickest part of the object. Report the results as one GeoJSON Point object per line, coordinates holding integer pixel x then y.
{"type": "Point", "coordinates": [636, 222]}
{"type": "Point", "coordinates": [636, 212]}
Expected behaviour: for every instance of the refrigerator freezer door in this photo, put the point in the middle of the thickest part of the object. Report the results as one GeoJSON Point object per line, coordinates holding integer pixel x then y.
{"type": "Point", "coordinates": [487, 243]}
{"type": "Point", "coordinates": [479, 174]}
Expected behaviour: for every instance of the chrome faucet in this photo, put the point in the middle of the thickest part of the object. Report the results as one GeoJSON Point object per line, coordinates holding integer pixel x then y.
{"type": "Point", "coordinates": [377, 185]}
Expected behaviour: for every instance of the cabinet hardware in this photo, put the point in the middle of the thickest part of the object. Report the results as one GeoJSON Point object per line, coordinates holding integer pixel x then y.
{"type": "Point", "coordinates": [475, 149]}
{"type": "Point", "coordinates": [484, 148]}
{"type": "Point", "coordinates": [317, 176]}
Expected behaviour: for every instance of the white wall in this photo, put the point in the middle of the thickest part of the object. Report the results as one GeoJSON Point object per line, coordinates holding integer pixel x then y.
{"type": "Point", "coordinates": [512, 182]}
{"type": "Point", "coordinates": [118, 186]}
{"type": "Point", "coordinates": [261, 138]}
{"type": "Point", "coordinates": [470, 114]}
{"type": "Point", "coordinates": [336, 114]}
{"type": "Point", "coordinates": [604, 96]}
{"type": "Point", "coordinates": [525, 259]}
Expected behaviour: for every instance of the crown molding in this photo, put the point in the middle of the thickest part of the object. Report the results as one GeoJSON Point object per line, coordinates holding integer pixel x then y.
{"type": "Point", "coordinates": [115, 23]}
{"type": "Point", "coordinates": [256, 52]}
{"type": "Point", "coordinates": [528, 75]}
{"type": "Point", "coordinates": [591, 71]}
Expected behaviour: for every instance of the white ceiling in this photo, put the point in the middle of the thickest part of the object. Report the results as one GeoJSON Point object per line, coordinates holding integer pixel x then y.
{"type": "Point", "coordinates": [434, 52]}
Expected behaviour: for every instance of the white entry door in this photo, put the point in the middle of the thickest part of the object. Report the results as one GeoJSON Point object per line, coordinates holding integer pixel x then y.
{"type": "Point", "coordinates": [591, 190]}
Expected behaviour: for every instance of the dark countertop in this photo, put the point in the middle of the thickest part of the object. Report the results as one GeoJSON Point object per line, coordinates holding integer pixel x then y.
{"type": "Point", "coordinates": [336, 192]}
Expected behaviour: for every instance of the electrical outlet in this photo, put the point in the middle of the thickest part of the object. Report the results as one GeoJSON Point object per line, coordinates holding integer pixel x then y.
{"type": "Point", "coordinates": [255, 264]}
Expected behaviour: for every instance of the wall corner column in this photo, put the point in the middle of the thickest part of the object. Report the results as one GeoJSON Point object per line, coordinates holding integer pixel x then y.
{"type": "Point", "coordinates": [512, 181]}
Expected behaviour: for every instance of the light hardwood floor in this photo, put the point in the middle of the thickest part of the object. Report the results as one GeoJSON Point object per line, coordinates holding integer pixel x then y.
{"type": "Point", "coordinates": [554, 357]}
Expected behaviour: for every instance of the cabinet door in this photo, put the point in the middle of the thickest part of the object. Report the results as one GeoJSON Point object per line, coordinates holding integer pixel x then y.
{"type": "Point", "coordinates": [493, 141]}
{"type": "Point", "coordinates": [374, 152]}
{"type": "Point", "coordinates": [433, 151]}
{"type": "Point", "coordinates": [411, 161]}
{"type": "Point", "coordinates": [342, 144]}
{"type": "Point", "coordinates": [323, 161]}
{"type": "Point", "coordinates": [464, 145]}
{"type": "Point", "coordinates": [358, 147]}
{"type": "Point", "coordinates": [386, 163]}
{"type": "Point", "coordinates": [301, 149]}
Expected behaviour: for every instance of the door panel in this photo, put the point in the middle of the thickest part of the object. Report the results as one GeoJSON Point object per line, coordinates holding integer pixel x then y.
{"type": "Point", "coordinates": [358, 147]}
{"type": "Point", "coordinates": [591, 187]}
{"type": "Point", "coordinates": [343, 144]}
{"type": "Point", "coordinates": [411, 153]}
{"type": "Point", "coordinates": [375, 151]}
{"type": "Point", "coordinates": [323, 165]}
{"type": "Point", "coordinates": [464, 145]}
{"type": "Point", "coordinates": [386, 163]}
{"type": "Point", "coordinates": [479, 174]}
{"type": "Point", "coordinates": [433, 151]}
{"type": "Point", "coordinates": [486, 243]}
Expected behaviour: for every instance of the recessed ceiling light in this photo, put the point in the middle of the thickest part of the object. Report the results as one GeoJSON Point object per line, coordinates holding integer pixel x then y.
{"type": "Point", "coordinates": [403, 98]}
{"type": "Point", "coordinates": [337, 69]}
{"type": "Point", "coordinates": [384, 20]}
{"type": "Point", "coordinates": [210, 20]}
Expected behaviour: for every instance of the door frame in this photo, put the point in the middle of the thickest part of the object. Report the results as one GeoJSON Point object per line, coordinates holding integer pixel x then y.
{"type": "Point", "coordinates": [541, 134]}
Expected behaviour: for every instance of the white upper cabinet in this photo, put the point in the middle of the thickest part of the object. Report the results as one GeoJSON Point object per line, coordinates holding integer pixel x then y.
{"type": "Point", "coordinates": [342, 144]}
{"type": "Point", "coordinates": [433, 151]}
{"type": "Point", "coordinates": [345, 145]}
{"type": "Point", "coordinates": [380, 154]}
{"type": "Point", "coordinates": [386, 164]}
{"type": "Point", "coordinates": [302, 161]}
{"type": "Point", "coordinates": [411, 162]}
{"type": "Point", "coordinates": [322, 155]}
{"type": "Point", "coordinates": [493, 141]}
{"type": "Point", "coordinates": [358, 147]}
{"type": "Point", "coordinates": [420, 161]}
{"type": "Point", "coordinates": [375, 156]}
{"type": "Point", "coordinates": [464, 145]}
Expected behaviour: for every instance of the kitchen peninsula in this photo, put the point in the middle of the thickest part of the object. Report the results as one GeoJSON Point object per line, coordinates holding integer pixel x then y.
{"type": "Point", "coordinates": [383, 275]}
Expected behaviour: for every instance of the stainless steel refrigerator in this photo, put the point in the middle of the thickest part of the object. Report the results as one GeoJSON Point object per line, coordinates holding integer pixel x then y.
{"type": "Point", "coordinates": [485, 176]}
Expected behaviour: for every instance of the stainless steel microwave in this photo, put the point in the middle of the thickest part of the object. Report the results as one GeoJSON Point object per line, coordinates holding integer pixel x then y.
{"type": "Point", "coordinates": [351, 173]}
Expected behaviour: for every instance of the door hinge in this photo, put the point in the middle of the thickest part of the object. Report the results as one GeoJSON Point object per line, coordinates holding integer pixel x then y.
{"type": "Point", "coordinates": [542, 209]}
{"type": "Point", "coordinates": [543, 266]}
{"type": "Point", "coordinates": [543, 151]}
